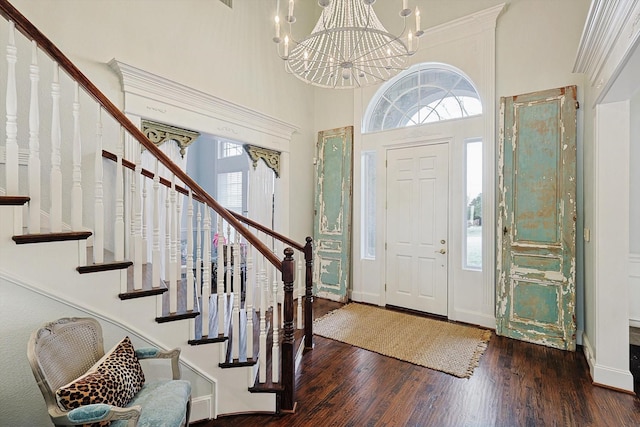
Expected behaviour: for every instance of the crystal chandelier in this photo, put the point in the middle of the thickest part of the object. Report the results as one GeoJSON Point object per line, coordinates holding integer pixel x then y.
{"type": "Point", "coordinates": [348, 47]}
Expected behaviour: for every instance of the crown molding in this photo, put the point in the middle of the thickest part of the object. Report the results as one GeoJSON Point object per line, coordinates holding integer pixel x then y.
{"type": "Point", "coordinates": [609, 22]}
{"type": "Point", "coordinates": [150, 86]}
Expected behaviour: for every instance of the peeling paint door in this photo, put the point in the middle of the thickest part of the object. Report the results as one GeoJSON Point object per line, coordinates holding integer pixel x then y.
{"type": "Point", "coordinates": [417, 224]}
{"type": "Point", "coordinates": [537, 218]}
{"type": "Point", "coordinates": [332, 213]}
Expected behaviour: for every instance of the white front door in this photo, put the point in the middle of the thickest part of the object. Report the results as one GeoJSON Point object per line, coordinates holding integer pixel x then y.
{"type": "Point", "coordinates": [417, 211]}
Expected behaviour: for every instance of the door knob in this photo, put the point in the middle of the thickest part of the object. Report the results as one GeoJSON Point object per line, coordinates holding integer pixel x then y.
{"type": "Point", "coordinates": [441, 251]}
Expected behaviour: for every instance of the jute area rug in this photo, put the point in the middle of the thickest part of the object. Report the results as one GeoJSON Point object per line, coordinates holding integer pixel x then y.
{"type": "Point", "coordinates": [435, 344]}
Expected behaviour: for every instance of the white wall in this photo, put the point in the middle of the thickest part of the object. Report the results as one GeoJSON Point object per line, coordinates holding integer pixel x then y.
{"type": "Point", "coordinates": [634, 213]}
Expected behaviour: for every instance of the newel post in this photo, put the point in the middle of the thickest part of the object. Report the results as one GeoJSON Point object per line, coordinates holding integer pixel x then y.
{"type": "Point", "coordinates": [308, 300]}
{"type": "Point", "coordinates": [287, 403]}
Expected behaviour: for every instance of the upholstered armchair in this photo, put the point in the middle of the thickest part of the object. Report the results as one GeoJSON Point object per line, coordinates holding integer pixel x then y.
{"type": "Point", "coordinates": [82, 385]}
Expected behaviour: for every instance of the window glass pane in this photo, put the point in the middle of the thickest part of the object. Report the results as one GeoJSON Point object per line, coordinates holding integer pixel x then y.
{"type": "Point", "coordinates": [368, 205]}
{"type": "Point", "coordinates": [403, 85]}
{"type": "Point", "coordinates": [430, 94]}
{"type": "Point", "coordinates": [393, 119]}
{"type": "Point", "coordinates": [473, 187]}
{"type": "Point", "coordinates": [230, 191]}
{"type": "Point", "coordinates": [229, 149]}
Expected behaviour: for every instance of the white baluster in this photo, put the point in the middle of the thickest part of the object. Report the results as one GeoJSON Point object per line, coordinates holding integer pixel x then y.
{"type": "Point", "coordinates": [178, 244]}
{"type": "Point", "coordinates": [222, 306]}
{"type": "Point", "coordinates": [189, 264]}
{"type": "Point", "coordinates": [237, 295]}
{"type": "Point", "coordinates": [167, 235]}
{"type": "Point", "coordinates": [198, 261]}
{"type": "Point", "coordinates": [136, 201]}
{"type": "Point", "coordinates": [11, 147]}
{"type": "Point", "coordinates": [145, 232]}
{"type": "Point", "coordinates": [263, 284]}
{"type": "Point", "coordinates": [76, 176]}
{"type": "Point", "coordinates": [98, 213]}
{"type": "Point", "coordinates": [301, 290]}
{"type": "Point", "coordinates": [34, 145]}
{"type": "Point", "coordinates": [173, 262]}
{"type": "Point", "coordinates": [156, 254]}
{"type": "Point", "coordinates": [199, 250]}
{"type": "Point", "coordinates": [248, 302]}
{"type": "Point", "coordinates": [55, 215]}
{"type": "Point", "coordinates": [190, 278]}
{"type": "Point", "coordinates": [119, 222]}
{"type": "Point", "coordinates": [227, 266]}
{"type": "Point", "coordinates": [275, 350]}
{"type": "Point", "coordinates": [206, 275]}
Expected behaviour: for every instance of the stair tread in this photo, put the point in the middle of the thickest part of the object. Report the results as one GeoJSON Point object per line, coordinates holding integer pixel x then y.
{"type": "Point", "coordinates": [14, 200]}
{"type": "Point", "coordinates": [50, 237]}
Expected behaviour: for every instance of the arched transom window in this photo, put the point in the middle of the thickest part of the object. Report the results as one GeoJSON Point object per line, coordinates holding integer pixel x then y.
{"type": "Point", "coordinates": [424, 94]}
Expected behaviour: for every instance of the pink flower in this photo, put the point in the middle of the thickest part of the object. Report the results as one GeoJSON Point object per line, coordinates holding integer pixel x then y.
{"type": "Point", "coordinates": [215, 240]}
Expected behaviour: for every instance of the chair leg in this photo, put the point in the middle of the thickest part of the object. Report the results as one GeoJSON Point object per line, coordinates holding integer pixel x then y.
{"type": "Point", "coordinates": [186, 420]}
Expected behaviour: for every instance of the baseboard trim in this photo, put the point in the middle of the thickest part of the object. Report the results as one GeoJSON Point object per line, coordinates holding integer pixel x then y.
{"type": "Point", "coordinates": [332, 297]}
{"type": "Point", "coordinates": [365, 297]}
{"type": "Point", "coordinates": [474, 318]}
{"type": "Point", "coordinates": [615, 379]}
{"type": "Point", "coordinates": [201, 408]}
{"type": "Point", "coordinates": [604, 376]}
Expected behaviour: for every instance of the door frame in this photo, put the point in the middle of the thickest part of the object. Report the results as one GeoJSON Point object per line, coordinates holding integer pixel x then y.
{"type": "Point", "coordinates": [448, 142]}
{"type": "Point", "coordinates": [383, 153]}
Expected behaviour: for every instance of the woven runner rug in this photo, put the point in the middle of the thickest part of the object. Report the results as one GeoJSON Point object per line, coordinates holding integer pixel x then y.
{"type": "Point", "coordinates": [435, 344]}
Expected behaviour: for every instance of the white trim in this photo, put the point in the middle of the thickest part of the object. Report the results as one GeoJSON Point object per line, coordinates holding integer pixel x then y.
{"type": "Point", "coordinates": [474, 318]}
{"type": "Point", "coordinates": [202, 408]}
{"type": "Point", "coordinates": [147, 85]}
{"type": "Point", "coordinates": [587, 349]}
{"type": "Point", "coordinates": [606, 23]}
{"type": "Point", "coordinates": [611, 242]}
{"type": "Point", "coordinates": [610, 377]}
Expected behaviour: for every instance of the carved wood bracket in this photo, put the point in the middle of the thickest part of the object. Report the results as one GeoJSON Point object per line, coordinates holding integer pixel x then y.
{"type": "Point", "coordinates": [159, 133]}
{"type": "Point", "coordinates": [270, 157]}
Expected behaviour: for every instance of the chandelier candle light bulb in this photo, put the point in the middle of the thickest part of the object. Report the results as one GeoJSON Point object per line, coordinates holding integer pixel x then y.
{"type": "Point", "coordinates": [290, 10]}
{"type": "Point", "coordinates": [277, 37]}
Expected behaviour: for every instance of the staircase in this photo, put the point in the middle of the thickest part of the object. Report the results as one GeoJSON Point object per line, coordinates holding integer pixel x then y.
{"type": "Point", "coordinates": [74, 226]}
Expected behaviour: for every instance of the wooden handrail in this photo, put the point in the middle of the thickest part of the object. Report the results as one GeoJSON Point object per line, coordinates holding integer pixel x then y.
{"type": "Point", "coordinates": [32, 33]}
{"type": "Point", "coordinates": [163, 181]}
{"type": "Point", "coordinates": [268, 231]}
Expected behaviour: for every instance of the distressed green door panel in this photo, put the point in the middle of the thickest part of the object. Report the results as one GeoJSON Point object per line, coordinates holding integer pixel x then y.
{"type": "Point", "coordinates": [332, 214]}
{"type": "Point", "coordinates": [536, 221]}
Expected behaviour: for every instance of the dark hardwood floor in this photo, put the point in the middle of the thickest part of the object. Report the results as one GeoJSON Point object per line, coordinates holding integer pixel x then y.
{"type": "Point", "coordinates": [516, 384]}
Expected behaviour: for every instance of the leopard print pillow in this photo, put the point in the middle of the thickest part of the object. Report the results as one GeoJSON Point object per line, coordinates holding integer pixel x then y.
{"type": "Point", "coordinates": [115, 379]}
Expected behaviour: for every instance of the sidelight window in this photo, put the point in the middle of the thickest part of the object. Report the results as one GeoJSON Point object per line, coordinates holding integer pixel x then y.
{"type": "Point", "coordinates": [472, 240]}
